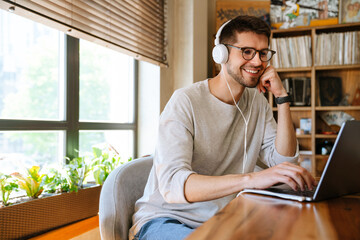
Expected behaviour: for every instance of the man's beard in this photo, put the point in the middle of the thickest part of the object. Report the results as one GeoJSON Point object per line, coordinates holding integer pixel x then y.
{"type": "Point", "coordinates": [240, 79]}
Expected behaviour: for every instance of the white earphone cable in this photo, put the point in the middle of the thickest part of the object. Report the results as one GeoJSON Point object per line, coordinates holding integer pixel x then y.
{"type": "Point", "coordinates": [246, 121]}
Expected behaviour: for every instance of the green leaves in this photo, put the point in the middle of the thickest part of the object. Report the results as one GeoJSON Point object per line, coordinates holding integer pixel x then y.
{"type": "Point", "coordinates": [7, 185]}
{"type": "Point", "coordinates": [32, 182]}
{"type": "Point", "coordinates": [76, 171]}
{"type": "Point", "coordinates": [55, 182]}
{"type": "Point", "coordinates": [104, 162]}
{"type": "Point", "coordinates": [67, 178]}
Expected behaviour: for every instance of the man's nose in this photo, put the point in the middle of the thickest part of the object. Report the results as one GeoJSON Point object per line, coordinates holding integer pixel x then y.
{"type": "Point", "coordinates": [256, 59]}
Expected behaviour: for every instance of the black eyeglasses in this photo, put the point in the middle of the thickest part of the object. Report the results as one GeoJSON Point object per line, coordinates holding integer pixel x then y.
{"type": "Point", "coordinates": [249, 53]}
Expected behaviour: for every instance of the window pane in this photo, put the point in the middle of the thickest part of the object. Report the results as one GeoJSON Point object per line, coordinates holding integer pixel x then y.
{"type": "Point", "coordinates": [20, 149]}
{"type": "Point", "coordinates": [121, 140]}
{"type": "Point", "coordinates": [31, 69]}
{"type": "Point", "coordinates": [106, 84]}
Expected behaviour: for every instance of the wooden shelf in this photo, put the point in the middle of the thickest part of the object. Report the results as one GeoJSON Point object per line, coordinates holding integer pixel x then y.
{"type": "Point", "coordinates": [303, 135]}
{"type": "Point", "coordinates": [296, 109]}
{"type": "Point", "coordinates": [299, 69]}
{"type": "Point", "coordinates": [325, 135]}
{"type": "Point", "coordinates": [337, 108]}
{"type": "Point", "coordinates": [306, 29]}
{"type": "Point", "coordinates": [319, 68]}
{"type": "Point", "coordinates": [349, 74]}
{"type": "Point", "coordinates": [334, 67]}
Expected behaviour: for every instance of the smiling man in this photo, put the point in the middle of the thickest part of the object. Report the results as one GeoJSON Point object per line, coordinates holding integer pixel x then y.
{"type": "Point", "coordinates": [212, 134]}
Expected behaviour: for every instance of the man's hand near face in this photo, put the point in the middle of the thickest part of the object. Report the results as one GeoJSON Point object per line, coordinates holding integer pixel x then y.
{"type": "Point", "coordinates": [271, 81]}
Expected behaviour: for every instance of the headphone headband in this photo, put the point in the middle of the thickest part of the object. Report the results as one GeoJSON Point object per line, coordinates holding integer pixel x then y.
{"type": "Point", "coordinates": [217, 36]}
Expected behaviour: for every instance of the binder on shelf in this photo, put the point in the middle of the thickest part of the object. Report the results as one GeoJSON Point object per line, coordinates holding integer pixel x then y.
{"type": "Point", "coordinates": [299, 89]}
{"type": "Point", "coordinates": [330, 90]}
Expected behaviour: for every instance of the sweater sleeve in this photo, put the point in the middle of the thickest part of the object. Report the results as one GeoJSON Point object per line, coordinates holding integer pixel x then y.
{"type": "Point", "coordinates": [269, 155]}
{"type": "Point", "coordinates": [174, 149]}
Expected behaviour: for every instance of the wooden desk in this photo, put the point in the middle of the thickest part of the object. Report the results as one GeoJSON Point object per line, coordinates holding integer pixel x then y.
{"type": "Point", "coordinates": [252, 216]}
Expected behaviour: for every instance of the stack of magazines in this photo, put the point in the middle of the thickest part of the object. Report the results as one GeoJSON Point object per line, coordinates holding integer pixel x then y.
{"type": "Point", "coordinates": [337, 48]}
{"type": "Point", "coordinates": [292, 52]}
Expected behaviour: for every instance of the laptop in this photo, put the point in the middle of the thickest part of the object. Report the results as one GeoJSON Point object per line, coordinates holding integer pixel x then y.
{"type": "Point", "coordinates": [341, 175]}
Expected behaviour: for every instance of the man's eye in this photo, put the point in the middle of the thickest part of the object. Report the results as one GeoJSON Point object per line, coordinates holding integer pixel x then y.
{"type": "Point", "coordinates": [248, 51]}
{"type": "Point", "coordinates": [263, 53]}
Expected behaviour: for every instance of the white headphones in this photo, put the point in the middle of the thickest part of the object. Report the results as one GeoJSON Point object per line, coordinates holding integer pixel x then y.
{"type": "Point", "coordinates": [220, 52]}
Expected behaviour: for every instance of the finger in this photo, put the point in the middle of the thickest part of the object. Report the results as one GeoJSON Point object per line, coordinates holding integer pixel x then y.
{"type": "Point", "coordinates": [266, 84]}
{"type": "Point", "coordinates": [261, 87]}
{"type": "Point", "coordinates": [300, 172]}
{"type": "Point", "coordinates": [306, 183]}
{"type": "Point", "coordinates": [288, 181]}
{"type": "Point", "coordinates": [258, 87]}
{"type": "Point", "coordinates": [308, 178]}
{"type": "Point", "coordinates": [295, 176]}
{"type": "Point", "coordinates": [294, 172]}
{"type": "Point", "coordinates": [311, 182]}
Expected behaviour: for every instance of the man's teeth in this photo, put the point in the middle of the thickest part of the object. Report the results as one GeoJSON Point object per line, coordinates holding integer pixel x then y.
{"type": "Point", "coordinates": [251, 71]}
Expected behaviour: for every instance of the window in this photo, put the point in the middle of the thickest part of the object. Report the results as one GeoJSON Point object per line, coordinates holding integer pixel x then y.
{"type": "Point", "coordinates": [106, 95]}
{"type": "Point", "coordinates": [31, 70]}
{"type": "Point", "coordinates": [47, 110]}
{"type": "Point", "coordinates": [107, 75]}
{"type": "Point", "coordinates": [20, 149]}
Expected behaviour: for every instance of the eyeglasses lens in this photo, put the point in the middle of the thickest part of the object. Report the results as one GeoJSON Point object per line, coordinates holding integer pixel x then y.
{"type": "Point", "coordinates": [249, 53]}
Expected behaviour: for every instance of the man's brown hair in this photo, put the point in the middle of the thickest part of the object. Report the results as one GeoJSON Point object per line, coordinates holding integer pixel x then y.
{"type": "Point", "coordinates": [244, 24]}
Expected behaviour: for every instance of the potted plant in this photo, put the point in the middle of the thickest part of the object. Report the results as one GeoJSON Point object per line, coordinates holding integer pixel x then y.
{"type": "Point", "coordinates": [68, 198]}
{"type": "Point", "coordinates": [41, 213]}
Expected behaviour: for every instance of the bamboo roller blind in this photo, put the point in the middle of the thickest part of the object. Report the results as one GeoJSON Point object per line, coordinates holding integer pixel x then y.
{"type": "Point", "coordinates": [136, 27]}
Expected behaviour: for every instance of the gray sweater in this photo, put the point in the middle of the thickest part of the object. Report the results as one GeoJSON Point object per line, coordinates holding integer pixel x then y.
{"type": "Point", "coordinates": [198, 133]}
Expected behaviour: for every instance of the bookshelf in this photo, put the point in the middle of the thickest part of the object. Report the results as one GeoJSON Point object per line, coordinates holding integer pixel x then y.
{"type": "Point", "coordinates": [348, 74]}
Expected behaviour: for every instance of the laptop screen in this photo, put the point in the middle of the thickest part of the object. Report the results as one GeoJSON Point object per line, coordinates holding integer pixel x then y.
{"type": "Point", "coordinates": [341, 173]}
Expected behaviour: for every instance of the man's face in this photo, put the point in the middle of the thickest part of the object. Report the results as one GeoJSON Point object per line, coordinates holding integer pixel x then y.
{"type": "Point", "coordinates": [247, 72]}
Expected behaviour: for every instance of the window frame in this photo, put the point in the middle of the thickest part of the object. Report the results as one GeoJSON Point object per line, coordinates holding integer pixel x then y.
{"type": "Point", "coordinates": [71, 125]}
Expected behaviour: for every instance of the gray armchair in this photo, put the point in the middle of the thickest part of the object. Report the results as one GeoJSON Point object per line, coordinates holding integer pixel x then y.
{"type": "Point", "coordinates": [119, 193]}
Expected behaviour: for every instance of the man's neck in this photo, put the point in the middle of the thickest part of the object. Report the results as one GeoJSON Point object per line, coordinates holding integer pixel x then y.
{"type": "Point", "coordinates": [220, 90]}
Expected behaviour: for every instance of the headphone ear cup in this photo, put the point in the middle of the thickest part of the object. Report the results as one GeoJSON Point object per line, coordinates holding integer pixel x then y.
{"type": "Point", "coordinates": [220, 53]}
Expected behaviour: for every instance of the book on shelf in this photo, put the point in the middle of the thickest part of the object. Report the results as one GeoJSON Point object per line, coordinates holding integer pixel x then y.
{"type": "Point", "coordinates": [337, 48]}
{"type": "Point", "coordinates": [292, 52]}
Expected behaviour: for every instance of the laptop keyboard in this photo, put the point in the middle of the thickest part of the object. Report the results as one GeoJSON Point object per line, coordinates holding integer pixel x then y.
{"type": "Point", "coordinates": [305, 193]}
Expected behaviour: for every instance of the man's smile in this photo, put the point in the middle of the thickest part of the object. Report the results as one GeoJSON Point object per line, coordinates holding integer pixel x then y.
{"type": "Point", "coordinates": [251, 71]}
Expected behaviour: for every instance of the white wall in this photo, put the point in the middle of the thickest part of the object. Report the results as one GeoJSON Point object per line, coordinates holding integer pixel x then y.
{"type": "Point", "coordinates": [211, 31]}
{"type": "Point", "coordinates": [187, 39]}
{"type": "Point", "coordinates": [148, 107]}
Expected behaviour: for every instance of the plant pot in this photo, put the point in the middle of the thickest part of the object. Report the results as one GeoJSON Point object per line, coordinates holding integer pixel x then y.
{"type": "Point", "coordinates": [24, 220]}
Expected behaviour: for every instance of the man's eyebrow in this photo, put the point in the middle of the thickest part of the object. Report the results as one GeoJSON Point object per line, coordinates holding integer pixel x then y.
{"type": "Point", "coordinates": [267, 48]}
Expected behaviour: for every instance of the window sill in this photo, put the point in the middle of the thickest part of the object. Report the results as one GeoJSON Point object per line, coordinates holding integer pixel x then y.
{"type": "Point", "coordinates": [85, 229]}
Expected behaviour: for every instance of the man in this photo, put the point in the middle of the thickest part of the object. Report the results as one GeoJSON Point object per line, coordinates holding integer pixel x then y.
{"type": "Point", "coordinates": [211, 136]}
